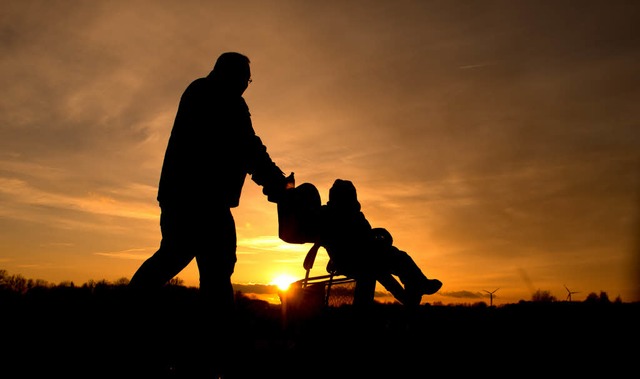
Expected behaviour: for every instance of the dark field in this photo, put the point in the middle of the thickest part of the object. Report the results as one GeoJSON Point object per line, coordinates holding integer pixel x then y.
{"type": "Point", "coordinates": [72, 332]}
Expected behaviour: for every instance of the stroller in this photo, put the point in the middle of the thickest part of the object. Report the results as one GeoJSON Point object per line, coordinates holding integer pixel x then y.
{"type": "Point", "coordinates": [297, 216]}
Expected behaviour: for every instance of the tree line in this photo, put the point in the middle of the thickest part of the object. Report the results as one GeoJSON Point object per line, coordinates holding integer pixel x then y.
{"type": "Point", "coordinates": [19, 285]}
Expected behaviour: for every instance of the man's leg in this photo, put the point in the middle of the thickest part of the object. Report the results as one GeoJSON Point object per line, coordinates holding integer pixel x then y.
{"type": "Point", "coordinates": [216, 261]}
{"type": "Point", "coordinates": [174, 254]}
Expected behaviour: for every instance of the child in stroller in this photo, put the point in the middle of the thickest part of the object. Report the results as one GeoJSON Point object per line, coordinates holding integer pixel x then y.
{"type": "Point", "coordinates": [359, 251]}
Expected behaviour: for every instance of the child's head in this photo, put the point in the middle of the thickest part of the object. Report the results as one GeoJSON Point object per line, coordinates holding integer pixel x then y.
{"type": "Point", "coordinates": [343, 195]}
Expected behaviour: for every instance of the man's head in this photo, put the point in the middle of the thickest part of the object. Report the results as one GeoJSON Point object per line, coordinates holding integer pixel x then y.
{"type": "Point", "coordinates": [232, 72]}
{"type": "Point", "coordinates": [342, 195]}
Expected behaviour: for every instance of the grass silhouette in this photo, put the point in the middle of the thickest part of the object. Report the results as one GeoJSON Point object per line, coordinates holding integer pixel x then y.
{"type": "Point", "coordinates": [104, 331]}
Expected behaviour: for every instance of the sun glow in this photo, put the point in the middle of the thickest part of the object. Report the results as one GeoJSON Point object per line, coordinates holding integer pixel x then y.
{"type": "Point", "coordinates": [283, 281]}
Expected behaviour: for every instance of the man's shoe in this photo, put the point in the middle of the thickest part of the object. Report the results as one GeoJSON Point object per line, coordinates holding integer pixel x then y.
{"type": "Point", "coordinates": [431, 286]}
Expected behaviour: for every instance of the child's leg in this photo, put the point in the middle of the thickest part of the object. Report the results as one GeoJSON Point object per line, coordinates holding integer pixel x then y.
{"type": "Point", "coordinates": [364, 291]}
{"type": "Point", "coordinates": [415, 281]}
{"type": "Point", "coordinates": [396, 289]}
{"type": "Point", "coordinates": [403, 266]}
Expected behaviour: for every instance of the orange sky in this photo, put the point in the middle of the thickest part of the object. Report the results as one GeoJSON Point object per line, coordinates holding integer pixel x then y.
{"type": "Point", "coordinates": [498, 141]}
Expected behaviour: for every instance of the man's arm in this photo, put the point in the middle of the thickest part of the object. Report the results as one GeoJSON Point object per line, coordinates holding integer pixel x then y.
{"type": "Point", "coordinates": [267, 174]}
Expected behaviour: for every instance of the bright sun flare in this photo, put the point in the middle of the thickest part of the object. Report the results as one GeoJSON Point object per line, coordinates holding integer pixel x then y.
{"type": "Point", "coordinates": [283, 281]}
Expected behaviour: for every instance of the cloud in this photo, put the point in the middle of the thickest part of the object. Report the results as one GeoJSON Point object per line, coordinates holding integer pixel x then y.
{"type": "Point", "coordinates": [462, 294]}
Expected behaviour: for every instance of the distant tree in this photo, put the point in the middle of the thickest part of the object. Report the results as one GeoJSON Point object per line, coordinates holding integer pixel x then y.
{"type": "Point", "coordinates": [176, 282]}
{"type": "Point", "coordinates": [542, 297]}
{"type": "Point", "coordinates": [91, 284]}
{"type": "Point", "coordinates": [103, 283]}
{"type": "Point", "coordinates": [593, 298]}
{"type": "Point", "coordinates": [67, 283]}
{"type": "Point", "coordinates": [3, 278]}
{"type": "Point", "coordinates": [17, 283]}
{"type": "Point", "coordinates": [122, 281]}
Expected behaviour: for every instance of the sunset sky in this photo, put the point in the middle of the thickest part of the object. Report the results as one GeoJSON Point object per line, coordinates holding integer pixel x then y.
{"type": "Point", "coordinates": [498, 141]}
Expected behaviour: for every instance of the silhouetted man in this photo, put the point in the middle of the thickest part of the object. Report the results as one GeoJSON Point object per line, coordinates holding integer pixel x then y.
{"type": "Point", "coordinates": [211, 150]}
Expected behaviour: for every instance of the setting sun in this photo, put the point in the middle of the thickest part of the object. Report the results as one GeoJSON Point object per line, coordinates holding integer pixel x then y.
{"type": "Point", "coordinates": [283, 281]}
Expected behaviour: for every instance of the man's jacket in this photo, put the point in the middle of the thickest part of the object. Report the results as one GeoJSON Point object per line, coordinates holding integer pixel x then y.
{"type": "Point", "coordinates": [211, 150]}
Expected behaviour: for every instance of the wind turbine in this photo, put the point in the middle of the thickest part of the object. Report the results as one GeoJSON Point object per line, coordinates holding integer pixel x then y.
{"type": "Point", "coordinates": [491, 296]}
{"type": "Point", "coordinates": [569, 293]}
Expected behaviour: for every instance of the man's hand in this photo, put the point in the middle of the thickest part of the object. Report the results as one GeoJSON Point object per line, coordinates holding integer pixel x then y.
{"type": "Point", "coordinates": [277, 188]}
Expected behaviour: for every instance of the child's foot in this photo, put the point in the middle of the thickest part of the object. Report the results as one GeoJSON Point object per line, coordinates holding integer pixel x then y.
{"type": "Point", "coordinates": [431, 286]}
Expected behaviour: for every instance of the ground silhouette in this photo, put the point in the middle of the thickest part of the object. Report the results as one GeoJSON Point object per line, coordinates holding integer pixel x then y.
{"type": "Point", "coordinates": [87, 332]}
